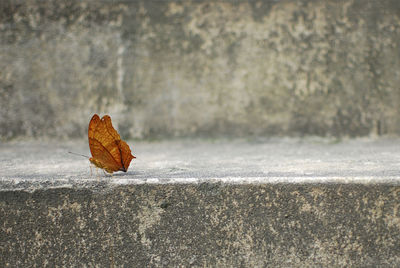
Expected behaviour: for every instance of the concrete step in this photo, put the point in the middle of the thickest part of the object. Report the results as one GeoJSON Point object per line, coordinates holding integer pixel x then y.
{"type": "Point", "coordinates": [203, 203]}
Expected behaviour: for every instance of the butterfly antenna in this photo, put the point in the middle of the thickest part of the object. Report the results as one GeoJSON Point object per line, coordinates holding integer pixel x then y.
{"type": "Point", "coordinates": [79, 154]}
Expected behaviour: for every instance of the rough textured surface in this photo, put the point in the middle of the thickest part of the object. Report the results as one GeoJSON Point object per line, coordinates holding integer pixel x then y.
{"type": "Point", "coordinates": [204, 225]}
{"type": "Point", "coordinates": [190, 68]}
{"type": "Point", "coordinates": [311, 160]}
{"type": "Point", "coordinates": [277, 202]}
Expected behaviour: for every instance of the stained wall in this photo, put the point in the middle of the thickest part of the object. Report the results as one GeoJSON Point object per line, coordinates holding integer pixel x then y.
{"type": "Point", "coordinates": [163, 69]}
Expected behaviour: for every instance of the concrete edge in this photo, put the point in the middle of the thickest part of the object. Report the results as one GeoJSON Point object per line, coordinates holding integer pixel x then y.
{"type": "Point", "coordinates": [102, 184]}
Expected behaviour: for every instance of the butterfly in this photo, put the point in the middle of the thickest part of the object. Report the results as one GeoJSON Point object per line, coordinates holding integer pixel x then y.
{"type": "Point", "coordinates": [109, 152]}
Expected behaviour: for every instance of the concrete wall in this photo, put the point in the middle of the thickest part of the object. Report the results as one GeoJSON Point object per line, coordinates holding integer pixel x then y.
{"type": "Point", "coordinates": [202, 225]}
{"type": "Point", "coordinates": [200, 68]}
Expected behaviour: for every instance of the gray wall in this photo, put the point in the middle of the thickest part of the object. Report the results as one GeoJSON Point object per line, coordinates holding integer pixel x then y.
{"type": "Point", "coordinates": [202, 225]}
{"type": "Point", "coordinates": [200, 68]}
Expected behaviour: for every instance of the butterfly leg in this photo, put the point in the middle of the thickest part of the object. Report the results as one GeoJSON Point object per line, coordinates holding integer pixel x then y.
{"type": "Point", "coordinates": [97, 172]}
{"type": "Point", "coordinates": [107, 174]}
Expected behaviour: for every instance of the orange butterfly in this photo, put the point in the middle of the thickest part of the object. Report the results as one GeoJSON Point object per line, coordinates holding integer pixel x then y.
{"type": "Point", "coordinates": [109, 152]}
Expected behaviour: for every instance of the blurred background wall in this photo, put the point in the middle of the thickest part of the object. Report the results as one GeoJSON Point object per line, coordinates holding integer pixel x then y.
{"type": "Point", "coordinates": [171, 68]}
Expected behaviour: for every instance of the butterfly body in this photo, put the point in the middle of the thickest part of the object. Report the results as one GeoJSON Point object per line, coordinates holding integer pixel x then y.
{"type": "Point", "coordinates": [109, 152]}
{"type": "Point", "coordinates": [99, 164]}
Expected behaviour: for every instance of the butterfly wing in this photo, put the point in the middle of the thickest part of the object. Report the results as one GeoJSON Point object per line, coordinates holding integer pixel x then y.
{"type": "Point", "coordinates": [92, 128]}
{"type": "Point", "coordinates": [124, 150]}
{"type": "Point", "coordinates": [125, 154]}
{"type": "Point", "coordinates": [103, 145]}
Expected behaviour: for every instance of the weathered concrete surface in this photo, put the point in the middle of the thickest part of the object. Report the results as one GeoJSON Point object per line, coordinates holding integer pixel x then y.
{"type": "Point", "coordinates": [203, 225]}
{"type": "Point", "coordinates": [200, 68]}
{"type": "Point", "coordinates": [278, 203]}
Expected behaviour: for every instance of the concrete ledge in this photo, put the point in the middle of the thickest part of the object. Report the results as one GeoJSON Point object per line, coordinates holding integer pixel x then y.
{"type": "Point", "coordinates": [188, 203]}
